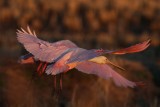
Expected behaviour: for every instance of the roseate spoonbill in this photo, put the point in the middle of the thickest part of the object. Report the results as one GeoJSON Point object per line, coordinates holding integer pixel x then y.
{"type": "Point", "coordinates": [64, 55]}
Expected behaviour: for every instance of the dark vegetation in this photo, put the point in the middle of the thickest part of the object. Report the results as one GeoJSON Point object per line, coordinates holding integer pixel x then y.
{"type": "Point", "coordinates": [90, 24]}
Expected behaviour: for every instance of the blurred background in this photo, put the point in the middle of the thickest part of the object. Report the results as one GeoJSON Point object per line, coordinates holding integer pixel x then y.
{"type": "Point", "coordinates": [108, 24]}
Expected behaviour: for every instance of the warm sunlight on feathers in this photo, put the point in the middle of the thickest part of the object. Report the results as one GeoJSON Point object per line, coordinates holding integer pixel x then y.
{"type": "Point", "coordinates": [99, 60]}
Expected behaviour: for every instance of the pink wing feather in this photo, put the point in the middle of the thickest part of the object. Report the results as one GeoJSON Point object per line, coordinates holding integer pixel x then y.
{"type": "Point", "coordinates": [43, 50]}
{"type": "Point", "coordinates": [104, 71]}
{"type": "Point", "coordinates": [89, 54]}
{"type": "Point", "coordinates": [132, 49]}
{"type": "Point", "coordinates": [60, 65]}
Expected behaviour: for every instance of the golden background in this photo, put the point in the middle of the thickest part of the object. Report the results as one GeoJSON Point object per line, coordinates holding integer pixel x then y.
{"type": "Point", "coordinates": [108, 24]}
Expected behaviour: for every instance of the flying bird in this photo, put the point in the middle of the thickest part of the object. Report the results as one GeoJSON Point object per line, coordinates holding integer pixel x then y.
{"type": "Point", "coordinates": [61, 56]}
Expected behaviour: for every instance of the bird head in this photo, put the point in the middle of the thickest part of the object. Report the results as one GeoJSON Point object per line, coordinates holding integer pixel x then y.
{"type": "Point", "coordinates": [26, 59]}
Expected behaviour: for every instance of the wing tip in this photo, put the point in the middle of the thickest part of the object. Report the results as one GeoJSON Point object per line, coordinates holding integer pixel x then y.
{"type": "Point", "coordinates": [133, 49]}
{"type": "Point", "coordinates": [28, 31]}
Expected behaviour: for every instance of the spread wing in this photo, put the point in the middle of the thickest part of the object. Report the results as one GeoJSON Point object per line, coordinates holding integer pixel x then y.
{"type": "Point", "coordinates": [60, 64]}
{"type": "Point", "coordinates": [104, 71]}
{"type": "Point", "coordinates": [89, 54]}
{"type": "Point", "coordinates": [43, 50]}
{"type": "Point", "coordinates": [132, 49]}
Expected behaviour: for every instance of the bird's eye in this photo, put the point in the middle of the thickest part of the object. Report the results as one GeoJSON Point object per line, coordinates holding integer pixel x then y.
{"type": "Point", "coordinates": [99, 50]}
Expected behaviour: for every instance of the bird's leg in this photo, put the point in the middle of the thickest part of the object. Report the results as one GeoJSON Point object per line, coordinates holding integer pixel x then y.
{"type": "Point", "coordinates": [61, 85]}
{"type": "Point", "coordinates": [43, 69]}
{"type": "Point", "coordinates": [55, 82]}
{"type": "Point", "coordinates": [61, 79]}
{"type": "Point", "coordinates": [54, 91]}
{"type": "Point", "coordinates": [39, 66]}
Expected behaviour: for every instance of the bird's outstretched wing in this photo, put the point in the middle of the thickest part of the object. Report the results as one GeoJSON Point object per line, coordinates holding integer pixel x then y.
{"type": "Point", "coordinates": [89, 54]}
{"type": "Point", "coordinates": [104, 71]}
{"type": "Point", "coordinates": [43, 50]}
{"type": "Point", "coordinates": [132, 49]}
